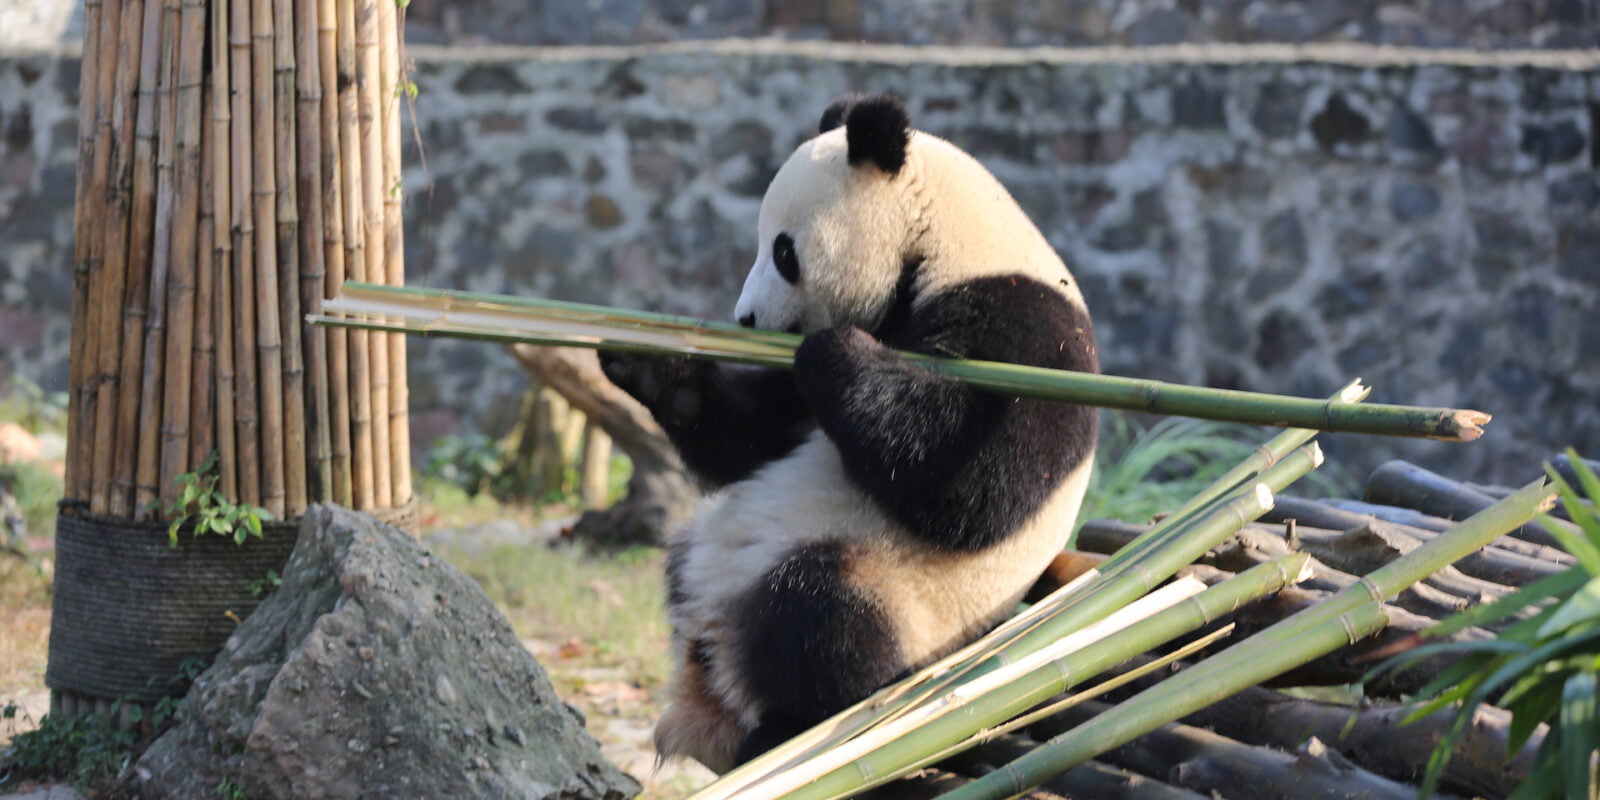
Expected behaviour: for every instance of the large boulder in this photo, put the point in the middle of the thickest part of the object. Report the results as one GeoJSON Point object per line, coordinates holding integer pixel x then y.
{"type": "Point", "coordinates": [375, 670]}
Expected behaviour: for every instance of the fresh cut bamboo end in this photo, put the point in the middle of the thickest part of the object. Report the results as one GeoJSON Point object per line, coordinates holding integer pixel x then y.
{"type": "Point", "coordinates": [1354, 393]}
{"type": "Point", "coordinates": [1316, 454]}
{"type": "Point", "coordinates": [1262, 493]}
{"type": "Point", "coordinates": [1470, 423]}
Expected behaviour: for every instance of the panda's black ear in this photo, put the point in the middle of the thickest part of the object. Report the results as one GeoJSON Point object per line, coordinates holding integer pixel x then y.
{"type": "Point", "coordinates": [877, 127]}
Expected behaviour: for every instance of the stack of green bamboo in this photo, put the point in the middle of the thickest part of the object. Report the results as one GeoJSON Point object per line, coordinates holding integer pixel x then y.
{"type": "Point", "coordinates": [238, 160]}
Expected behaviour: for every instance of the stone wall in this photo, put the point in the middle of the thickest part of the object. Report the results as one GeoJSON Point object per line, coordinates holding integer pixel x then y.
{"type": "Point", "coordinates": [1072, 23]}
{"type": "Point", "coordinates": [1250, 218]}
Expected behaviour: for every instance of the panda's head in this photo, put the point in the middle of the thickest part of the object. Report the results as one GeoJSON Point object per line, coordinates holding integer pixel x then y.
{"type": "Point", "coordinates": [837, 223]}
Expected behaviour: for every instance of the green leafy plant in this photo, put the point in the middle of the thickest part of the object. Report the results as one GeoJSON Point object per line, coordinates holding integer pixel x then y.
{"type": "Point", "coordinates": [260, 586]}
{"type": "Point", "coordinates": [201, 503]}
{"type": "Point", "coordinates": [89, 749]}
{"type": "Point", "coordinates": [1543, 669]}
{"type": "Point", "coordinates": [229, 790]}
{"type": "Point", "coordinates": [470, 463]}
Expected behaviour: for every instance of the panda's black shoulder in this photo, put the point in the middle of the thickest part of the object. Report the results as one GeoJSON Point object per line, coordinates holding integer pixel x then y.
{"type": "Point", "coordinates": [1011, 318]}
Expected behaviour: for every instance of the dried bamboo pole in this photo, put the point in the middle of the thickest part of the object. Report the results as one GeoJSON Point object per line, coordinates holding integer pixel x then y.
{"type": "Point", "coordinates": [363, 490]}
{"type": "Point", "coordinates": [269, 330]}
{"type": "Point", "coordinates": [175, 416]}
{"type": "Point", "coordinates": [135, 266]}
{"type": "Point", "coordinates": [288, 247]}
{"type": "Point", "coordinates": [222, 248]}
{"type": "Point", "coordinates": [372, 206]}
{"type": "Point", "coordinates": [202, 410]}
{"type": "Point", "coordinates": [152, 379]}
{"type": "Point", "coordinates": [246, 372]}
{"type": "Point", "coordinates": [309, 191]}
{"type": "Point", "coordinates": [113, 173]}
{"type": "Point", "coordinates": [389, 90]}
{"type": "Point", "coordinates": [337, 376]}
{"type": "Point", "coordinates": [85, 196]}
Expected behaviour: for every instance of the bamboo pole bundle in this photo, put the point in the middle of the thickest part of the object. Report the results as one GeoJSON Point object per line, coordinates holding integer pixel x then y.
{"type": "Point", "coordinates": [288, 247]}
{"type": "Point", "coordinates": [309, 193]}
{"type": "Point", "coordinates": [222, 192]}
{"type": "Point", "coordinates": [246, 398]}
{"type": "Point", "coordinates": [340, 402]}
{"type": "Point", "coordinates": [363, 491]}
{"type": "Point", "coordinates": [372, 206]}
{"type": "Point", "coordinates": [85, 201]}
{"type": "Point", "coordinates": [202, 374]}
{"type": "Point", "coordinates": [152, 376]}
{"type": "Point", "coordinates": [389, 90]}
{"type": "Point", "coordinates": [181, 277]}
{"type": "Point", "coordinates": [269, 331]}
{"type": "Point", "coordinates": [130, 251]}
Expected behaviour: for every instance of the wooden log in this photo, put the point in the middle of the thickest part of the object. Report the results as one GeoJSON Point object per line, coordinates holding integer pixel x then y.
{"type": "Point", "coordinates": [932, 782]}
{"type": "Point", "coordinates": [371, 134]}
{"type": "Point", "coordinates": [176, 392]}
{"type": "Point", "coordinates": [247, 372]}
{"type": "Point", "coordinates": [147, 476]}
{"type": "Point", "coordinates": [269, 326]}
{"type": "Point", "coordinates": [1254, 545]}
{"type": "Point", "coordinates": [595, 475]}
{"type": "Point", "coordinates": [114, 171]}
{"type": "Point", "coordinates": [340, 402]}
{"type": "Point", "coordinates": [1092, 779]}
{"type": "Point", "coordinates": [355, 259]}
{"type": "Point", "coordinates": [313, 274]}
{"type": "Point", "coordinates": [660, 494]}
{"type": "Point", "coordinates": [390, 44]}
{"type": "Point", "coordinates": [1415, 522]}
{"type": "Point", "coordinates": [88, 200]}
{"type": "Point", "coordinates": [222, 261]}
{"type": "Point", "coordinates": [1398, 483]}
{"type": "Point", "coordinates": [288, 248]}
{"type": "Point", "coordinates": [135, 299]}
{"type": "Point", "coordinates": [1207, 762]}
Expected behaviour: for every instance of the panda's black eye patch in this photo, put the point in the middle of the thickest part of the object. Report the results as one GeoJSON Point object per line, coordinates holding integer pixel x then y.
{"type": "Point", "coordinates": [785, 259]}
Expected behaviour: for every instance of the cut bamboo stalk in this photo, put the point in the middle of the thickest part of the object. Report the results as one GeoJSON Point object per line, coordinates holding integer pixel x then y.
{"type": "Point", "coordinates": [202, 373]}
{"type": "Point", "coordinates": [340, 403]}
{"type": "Point", "coordinates": [153, 377]}
{"type": "Point", "coordinates": [122, 23]}
{"type": "Point", "coordinates": [309, 193]}
{"type": "Point", "coordinates": [355, 258]}
{"type": "Point", "coordinates": [85, 201]}
{"type": "Point", "coordinates": [135, 298]}
{"type": "Point", "coordinates": [288, 248]}
{"type": "Point", "coordinates": [269, 327]}
{"type": "Point", "coordinates": [390, 51]}
{"type": "Point", "coordinates": [1344, 618]}
{"type": "Point", "coordinates": [181, 279]}
{"type": "Point", "coordinates": [506, 318]}
{"type": "Point", "coordinates": [371, 132]}
{"type": "Point", "coordinates": [246, 369]}
{"type": "Point", "coordinates": [222, 195]}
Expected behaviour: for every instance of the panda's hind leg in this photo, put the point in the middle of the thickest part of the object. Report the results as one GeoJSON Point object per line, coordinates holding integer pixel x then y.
{"type": "Point", "coordinates": [812, 644]}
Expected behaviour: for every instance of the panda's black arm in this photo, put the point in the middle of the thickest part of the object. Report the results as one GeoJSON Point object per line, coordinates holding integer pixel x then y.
{"type": "Point", "coordinates": [956, 465]}
{"type": "Point", "coordinates": [725, 421]}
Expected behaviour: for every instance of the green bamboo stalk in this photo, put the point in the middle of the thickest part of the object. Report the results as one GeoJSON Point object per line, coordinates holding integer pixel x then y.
{"type": "Point", "coordinates": [913, 749]}
{"type": "Point", "coordinates": [511, 319]}
{"type": "Point", "coordinates": [1345, 618]}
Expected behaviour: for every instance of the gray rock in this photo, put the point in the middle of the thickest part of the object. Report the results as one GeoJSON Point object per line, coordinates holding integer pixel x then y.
{"type": "Point", "coordinates": [376, 670]}
{"type": "Point", "coordinates": [1410, 201]}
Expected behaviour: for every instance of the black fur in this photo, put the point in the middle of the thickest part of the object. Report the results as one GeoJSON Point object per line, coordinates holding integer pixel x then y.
{"type": "Point", "coordinates": [877, 127]}
{"type": "Point", "coordinates": [956, 465]}
{"type": "Point", "coordinates": [810, 644]}
{"type": "Point", "coordinates": [725, 421]}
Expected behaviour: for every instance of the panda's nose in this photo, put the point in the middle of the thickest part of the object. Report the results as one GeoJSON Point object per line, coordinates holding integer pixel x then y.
{"type": "Point", "coordinates": [748, 320]}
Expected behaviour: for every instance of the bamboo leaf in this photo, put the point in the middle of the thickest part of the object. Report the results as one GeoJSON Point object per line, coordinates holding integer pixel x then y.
{"type": "Point", "coordinates": [1582, 606]}
{"type": "Point", "coordinates": [1537, 705]}
{"type": "Point", "coordinates": [1580, 735]}
{"type": "Point", "coordinates": [1540, 590]}
{"type": "Point", "coordinates": [1586, 477]}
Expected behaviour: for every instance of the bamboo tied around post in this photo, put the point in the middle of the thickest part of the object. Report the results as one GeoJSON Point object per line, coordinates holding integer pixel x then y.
{"type": "Point", "coordinates": [238, 158]}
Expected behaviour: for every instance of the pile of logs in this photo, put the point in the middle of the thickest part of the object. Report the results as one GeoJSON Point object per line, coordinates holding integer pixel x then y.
{"type": "Point", "coordinates": [1265, 743]}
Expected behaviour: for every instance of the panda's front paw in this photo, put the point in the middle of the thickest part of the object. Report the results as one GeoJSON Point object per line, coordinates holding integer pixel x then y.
{"type": "Point", "coordinates": [670, 387]}
{"type": "Point", "coordinates": [829, 357]}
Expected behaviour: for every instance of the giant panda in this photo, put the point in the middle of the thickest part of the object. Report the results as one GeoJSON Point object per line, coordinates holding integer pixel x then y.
{"type": "Point", "coordinates": [866, 515]}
